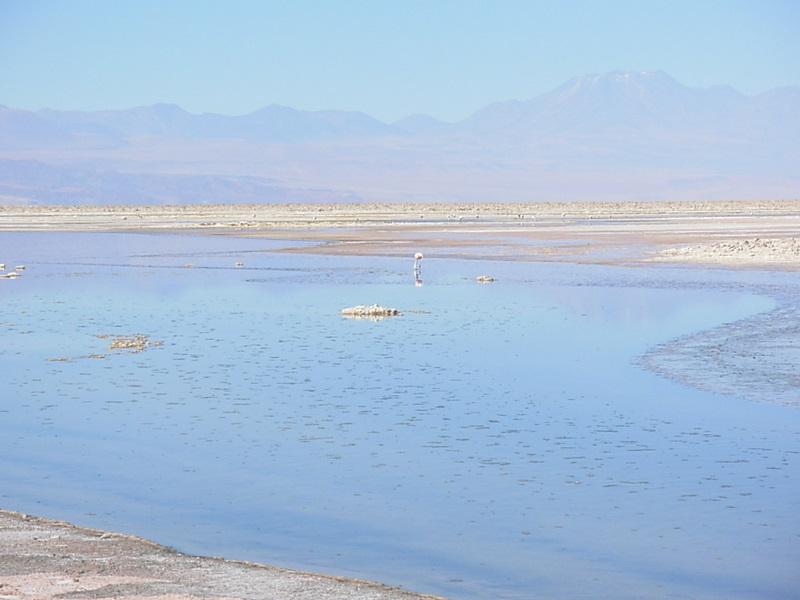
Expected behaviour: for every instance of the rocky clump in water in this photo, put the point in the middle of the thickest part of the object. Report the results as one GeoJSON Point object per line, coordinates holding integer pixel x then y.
{"type": "Point", "coordinates": [133, 343]}
{"type": "Point", "coordinates": [369, 312]}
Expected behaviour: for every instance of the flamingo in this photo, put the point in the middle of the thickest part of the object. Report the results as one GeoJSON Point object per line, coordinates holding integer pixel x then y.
{"type": "Point", "coordinates": [417, 278]}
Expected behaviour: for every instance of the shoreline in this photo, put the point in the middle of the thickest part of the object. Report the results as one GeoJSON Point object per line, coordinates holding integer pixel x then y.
{"type": "Point", "coordinates": [42, 558]}
{"type": "Point", "coordinates": [761, 234]}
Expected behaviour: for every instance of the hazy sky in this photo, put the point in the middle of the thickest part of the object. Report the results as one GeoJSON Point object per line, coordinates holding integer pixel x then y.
{"type": "Point", "coordinates": [387, 58]}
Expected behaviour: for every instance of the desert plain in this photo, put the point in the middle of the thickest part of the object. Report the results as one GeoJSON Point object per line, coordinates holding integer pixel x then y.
{"type": "Point", "coordinates": [740, 233]}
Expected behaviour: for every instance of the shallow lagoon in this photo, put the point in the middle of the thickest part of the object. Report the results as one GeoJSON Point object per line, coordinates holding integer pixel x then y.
{"type": "Point", "coordinates": [496, 441]}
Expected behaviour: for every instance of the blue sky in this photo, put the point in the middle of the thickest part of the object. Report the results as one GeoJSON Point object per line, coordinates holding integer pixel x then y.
{"type": "Point", "coordinates": [387, 58]}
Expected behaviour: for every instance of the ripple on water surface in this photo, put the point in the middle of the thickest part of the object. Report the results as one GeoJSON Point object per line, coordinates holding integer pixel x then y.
{"type": "Point", "coordinates": [494, 441]}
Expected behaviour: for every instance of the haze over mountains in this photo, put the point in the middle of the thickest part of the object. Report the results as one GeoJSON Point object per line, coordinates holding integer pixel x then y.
{"type": "Point", "coordinates": [618, 136]}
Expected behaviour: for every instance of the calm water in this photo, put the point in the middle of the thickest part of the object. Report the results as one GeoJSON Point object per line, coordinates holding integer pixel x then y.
{"type": "Point", "coordinates": [496, 441]}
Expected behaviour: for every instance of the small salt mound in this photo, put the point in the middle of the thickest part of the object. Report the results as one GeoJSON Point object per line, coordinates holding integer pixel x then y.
{"type": "Point", "coordinates": [369, 311]}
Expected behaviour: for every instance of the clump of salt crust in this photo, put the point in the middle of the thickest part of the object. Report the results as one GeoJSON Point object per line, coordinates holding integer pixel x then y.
{"type": "Point", "coordinates": [119, 343]}
{"type": "Point", "coordinates": [369, 312]}
{"type": "Point", "coordinates": [133, 344]}
{"type": "Point", "coordinates": [484, 279]}
{"type": "Point", "coordinates": [758, 250]}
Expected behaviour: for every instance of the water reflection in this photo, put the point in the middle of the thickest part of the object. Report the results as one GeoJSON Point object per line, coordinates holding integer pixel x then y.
{"type": "Point", "coordinates": [494, 441]}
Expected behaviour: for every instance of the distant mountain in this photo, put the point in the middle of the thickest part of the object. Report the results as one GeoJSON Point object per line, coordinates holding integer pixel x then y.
{"type": "Point", "coordinates": [160, 119]}
{"type": "Point", "coordinates": [641, 103]}
{"type": "Point", "coordinates": [620, 135]}
{"type": "Point", "coordinates": [649, 117]}
{"type": "Point", "coordinates": [619, 101]}
{"type": "Point", "coordinates": [271, 124]}
{"type": "Point", "coordinates": [286, 124]}
{"type": "Point", "coordinates": [615, 104]}
{"type": "Point", "coordinates": [22, 130]}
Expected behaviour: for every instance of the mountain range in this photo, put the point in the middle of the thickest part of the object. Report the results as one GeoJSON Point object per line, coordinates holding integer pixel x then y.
{"type": "Point", "coordinates": [617, 136]}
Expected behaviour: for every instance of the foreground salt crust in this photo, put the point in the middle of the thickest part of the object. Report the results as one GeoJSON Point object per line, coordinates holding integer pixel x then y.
{"type": "Point", "coordinates": [42, 559]}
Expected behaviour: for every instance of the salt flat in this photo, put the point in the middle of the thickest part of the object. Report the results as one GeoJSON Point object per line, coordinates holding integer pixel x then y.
{"type": "Point", "coordinates": [716, 446]}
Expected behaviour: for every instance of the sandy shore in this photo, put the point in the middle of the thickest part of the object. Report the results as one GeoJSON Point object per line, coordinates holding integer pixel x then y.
{"type": "Point", "coordinates": [42, 559]}
{"type": "Point", "coordinates": [46, 559]}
